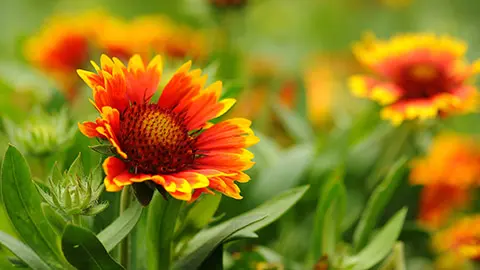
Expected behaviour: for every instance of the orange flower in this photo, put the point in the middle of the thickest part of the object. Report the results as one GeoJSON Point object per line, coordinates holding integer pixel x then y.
{"type": "Point", "coordinates": [462, 238]}
{"type": "Point", "coordinates": [60, 48]}
{"type": "Point", "coordinates": [177, 41]}
{"type": "Point", "coordinates": [169, 142]}
{"type": "Point", "coordinates": [419, 76]}
{"type": "Point", "coordinates": [451, 168]}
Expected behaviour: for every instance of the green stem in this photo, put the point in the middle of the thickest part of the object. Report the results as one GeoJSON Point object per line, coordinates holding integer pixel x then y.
{"type": "Point", "coordinates": [161, 221]}
{"type": "Point", "coordinates": [396, 260]}
{"type": "Point", "coordinates": [394, 148]}
{"type": "Point", "coordinates": [77, 220]}
{"type": "Point", "coordinates": [124, 247]}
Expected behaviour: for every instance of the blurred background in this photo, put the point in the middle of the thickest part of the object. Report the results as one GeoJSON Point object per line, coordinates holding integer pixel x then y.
{"type": "Point", "coordinates": [286, 62]}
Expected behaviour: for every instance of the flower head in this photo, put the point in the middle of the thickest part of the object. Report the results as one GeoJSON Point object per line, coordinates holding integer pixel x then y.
{"type": "Point", "coordinates": [462, 238]}
{"type": "Point", "coordinates": [451, 168]}
{"type": "Point", "coordinates": [41, 133]}
{"type": "Point", "coordinates": [417, 76]}
{"type": "Point", "coordinates": [61, 47]}
{"type": "Point", "coordinates": [169, 142]}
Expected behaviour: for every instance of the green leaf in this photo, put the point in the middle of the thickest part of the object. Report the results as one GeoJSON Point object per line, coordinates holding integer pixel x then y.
{"type": "Point", "coordinates": [23, 205]}
{"type": "Point", "coordinates": [56, 220]}
{"type": "Point", "coordinates": [298, 127]}
{"type": "Point", "coordinates": [161, 222]}
{"type": "Point", "coordinates": [285, 173]}
{"type": "Point", "coordinates": [121, 227]}
{"type": "Point", "coordinates": [232, 90]}
{"type": "Point", "coordinates": [202, 211]}
{"type": "Point", "coordinates": [377, 202]}
{"type": "Point", "coordinates": [214, 261]}
{"type": "Point", "coordinates": [381, 244]}
{"type": "Point", "coordinates": [84, 251]}
{"type": "Point", "coordinates": [328, 218]}
{"type": "Point", "coordinates": [272, 209]}
{"type": "Point", "coordinates": [26, 254]}
{"type": "Point", "coordinates": [194, 259]}
{"type": "Point", "coordinates": [76, 168]}
{"type": "Point", "coordinates": [143, 192]}
{"type": "Point", "coordinates": [104, 149]}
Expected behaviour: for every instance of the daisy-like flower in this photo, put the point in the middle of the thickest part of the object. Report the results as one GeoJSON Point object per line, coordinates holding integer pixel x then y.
{"type": "Point", "coordinates": [417, 76]}
{"type": "Point", "coordinates": [168, 142]}
{"type": "Point", "coordinates": [462, 238]}
{"type": "Point", "coordinates": [448, 172]}
{"type": "Point", "coordinates": [60, 48]}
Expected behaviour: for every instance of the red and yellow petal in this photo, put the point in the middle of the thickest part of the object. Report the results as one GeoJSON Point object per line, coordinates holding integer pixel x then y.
{"type": "Point", "coordinates": [183, 86]}
{"type": "Point", "coordinates": [461, 238]}
{"type": "Point", "coordinates": [89, 129]}
{"type": "Point", "coordinates": [437, 203]}
{"type": "Point", "coordinates": [142, 82]}
{"type": "Point", "coordinates": [411, 109]}
{"type": "Point", "coordinates": [113, 167]}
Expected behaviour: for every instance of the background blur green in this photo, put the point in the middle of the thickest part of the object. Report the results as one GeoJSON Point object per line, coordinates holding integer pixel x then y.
{"type": "Point", "coordinates": [288, 33]}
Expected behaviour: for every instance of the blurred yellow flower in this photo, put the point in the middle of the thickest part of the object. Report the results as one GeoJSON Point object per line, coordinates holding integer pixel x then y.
{"type": "Point", "coordinates": [417, 76]}
{"type": "Point", "coordinates": [450, 169]}
{"type": "Point", "coordinates": [461, 239]}
{"type": "Point", "coordinates": [120, 38]}
{"type": "Point", "coordinates": [149, 34]}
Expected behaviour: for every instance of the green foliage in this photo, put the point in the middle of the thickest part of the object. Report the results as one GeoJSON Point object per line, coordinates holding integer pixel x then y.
{"type": "Point", "coordinates": [161, 222]}
{"type": "Point", "coordinates": [26, 254]}
{"type": "Point", "coordinates": [84, 251]}
{"type": "Point", "coordinates": [207, 240]}
{"type": "Point", "coordinates": [23, 206]}
{"type": "Point", "coordinates": [377, 203]}
{"type": "Point", "coordinates": [42, 133]}
{"type": "Point", "coordinates": [121, 227]}
{"type": "Point", "coordinates": [328, 220]}
{"type": "Point", "coordinates": [381, 244]}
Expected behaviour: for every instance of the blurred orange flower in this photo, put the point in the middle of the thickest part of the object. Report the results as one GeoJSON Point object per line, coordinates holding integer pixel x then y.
{"type": "Point", "coordinates": [61, 47]}
{"type": "Point", "coordinates": [417, 76]}
{"type": "Point", "coordinates": [169, 143]}
{"type": "Point", "coordinates": [461, 239]}
{"type": "Point", "coordinates": [451, 168]}
{"type": "Point", "coordinates": [120, 38]}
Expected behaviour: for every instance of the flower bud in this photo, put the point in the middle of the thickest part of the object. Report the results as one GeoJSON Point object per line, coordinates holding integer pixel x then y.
{"type": "Point", "coordinates": [41, 133]}
{"type": "Point", "coordinates": [74, 192]}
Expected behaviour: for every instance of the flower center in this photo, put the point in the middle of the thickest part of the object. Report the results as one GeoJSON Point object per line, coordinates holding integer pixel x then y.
{"type": "Point", "coordinates": [424, 81]}
{"type": "Point", "coordinates": [155, 140]}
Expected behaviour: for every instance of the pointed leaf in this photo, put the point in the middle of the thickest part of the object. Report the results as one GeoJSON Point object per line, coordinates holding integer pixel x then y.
{"type": "Point", "coordinates": [298, 127]}
{"type": "Point", "coordinates": [273, 209]}
{"type": "Point", "coordinates": [381, 244]}
{"type": "Point", "coordinates": [56, 220]}
{"type": "Point", "coordinates": [285, 173]}
{"type": "Point", "coordinates": [25, 253]}
{"type": "Point", "coordinates": [24, 210]}
{"type": "Point", "coordinates": [76, 169]}
{"type": "Point", "coordinates": [161, 223]}
{"type": "Point", "coordinates": [143, 193]}
{"type": "Point", "coordinates": [194, 260]}
{"type": "Point", "coordinates": [84, 251]}
{"type": "Point", "coordinates": [121, 227]}
{"type": "Point", "coordinates": [377, 202]}
{"type": "Point", "coordinates": [104, 149]}
{"type": "Point", "coordinates": [328, 218]}
{"type": "Point", "coordinates": [202, 211]}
